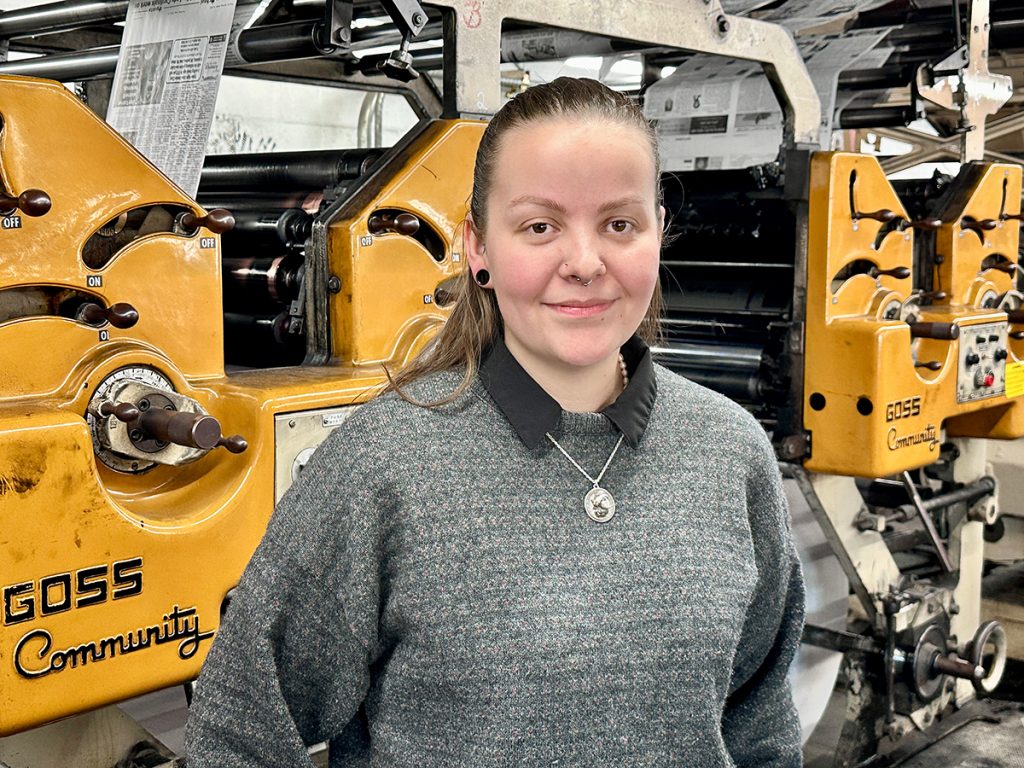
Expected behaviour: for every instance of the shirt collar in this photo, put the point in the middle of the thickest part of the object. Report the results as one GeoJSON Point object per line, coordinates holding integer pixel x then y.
{"type": "Point", "coordinates": [532, 412]}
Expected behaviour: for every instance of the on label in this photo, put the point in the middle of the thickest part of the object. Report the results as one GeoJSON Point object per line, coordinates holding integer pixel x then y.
{"type": "Point", "coordinates": [1014, 379]}
{"type": "Point", "coordinates": [207, 242]}
{"type": "Point", "coordinates": [94, 281]}
{"type": "Point", "coordinates": [12, 222]}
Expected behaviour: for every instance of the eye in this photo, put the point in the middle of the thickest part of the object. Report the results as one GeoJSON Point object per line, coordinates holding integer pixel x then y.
{"type": "Point", "coordinates": [620, 225]}
{"type": "Point", "coordinates": [539, 227]}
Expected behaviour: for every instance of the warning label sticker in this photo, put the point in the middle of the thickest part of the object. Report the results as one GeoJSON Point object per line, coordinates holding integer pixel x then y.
{"type": "Point", "coordinates": [1014, 379]}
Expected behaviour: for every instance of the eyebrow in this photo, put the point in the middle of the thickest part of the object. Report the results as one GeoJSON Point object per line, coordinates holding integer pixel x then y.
{"type": "Point", "coordinates": [556, 206]}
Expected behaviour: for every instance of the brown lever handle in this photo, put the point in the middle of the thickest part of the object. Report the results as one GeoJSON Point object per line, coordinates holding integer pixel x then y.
{"type": "Point", "coordinates": [125, 412]}
{"type": "Point", "coordinates": [932, 295]}
{"type": "Point", "coordinates": [926, 223]}
{"type": "Point", "coordinates": [900, 273]}
{"type": "Point", "coordinates": [941, 331]}
{"type": "Point", "coordinates": [1015, 316]}
{"type": "Point", "coordinates": [931, 365]}
{"type": "Point", "coordinates": [977, 225]}
{"type": "Point", "coordinates": [1014, 216]}
{"type": "Point", "coordinates": [403, 224]}
{"type": "Point", "coordinates": [217, 221]}
{"type": "Point", "coordinates": [882, 214]}
{"type": "Point", "coordinates": [120, 315]}
{"type": "Point", "coordinates": [31, 202]}
{"type": "Point", "coordinates": [233, 444]}
{"type": "Point", "coordinates": [1016, 335]}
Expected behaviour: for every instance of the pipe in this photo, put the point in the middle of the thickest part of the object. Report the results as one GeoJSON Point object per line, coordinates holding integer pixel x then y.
{"type": "Point", "coordinates": [78, 65]}
{"type": "Point", "coordinates": [877, 117]}
{"type": "Point", "coordinates": [285, 171]}
{"type": "Point", "coordinates": [59, 17]}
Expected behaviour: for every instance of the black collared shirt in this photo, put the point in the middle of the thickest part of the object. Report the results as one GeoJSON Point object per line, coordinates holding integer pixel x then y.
{"type": "Point", "coordinates": [532, 412]}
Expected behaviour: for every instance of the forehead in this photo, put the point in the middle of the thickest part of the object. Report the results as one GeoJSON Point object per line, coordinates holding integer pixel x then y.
{"type": "Point", "coordinates": [574, 155]}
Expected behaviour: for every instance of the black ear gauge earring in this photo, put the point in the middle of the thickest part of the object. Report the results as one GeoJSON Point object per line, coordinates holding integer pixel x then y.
{"type": "Point", "coordinates": [482, 277]}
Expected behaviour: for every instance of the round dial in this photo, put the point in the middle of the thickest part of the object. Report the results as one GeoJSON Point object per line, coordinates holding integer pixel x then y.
{"type": "Point", "coordinates": [146, 376]}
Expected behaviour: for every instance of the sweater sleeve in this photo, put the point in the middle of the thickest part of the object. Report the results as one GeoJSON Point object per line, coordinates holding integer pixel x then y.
{"type": "Point", "coordinates": [290, 664]}
{"type": "Point", "coordinates": [760, 725]}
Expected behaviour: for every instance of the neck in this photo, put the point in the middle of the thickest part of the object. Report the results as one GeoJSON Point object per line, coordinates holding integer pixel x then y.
{"type": "Point", "coordinates": [575, 389]}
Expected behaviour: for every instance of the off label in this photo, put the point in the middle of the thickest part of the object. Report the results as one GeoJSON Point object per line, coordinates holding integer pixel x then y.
{"type": "Point", "coordinates": [12, 222]}
{"type": "Point", "coordinates": [207, 242]}
{"type": "Point", "coordinates": [104, 335]}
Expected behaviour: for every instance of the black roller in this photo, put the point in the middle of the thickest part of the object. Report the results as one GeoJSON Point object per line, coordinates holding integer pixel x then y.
{"type": "Point", "coordinates": [262, 341]}
{"type": "Point", "coordinates": [284, 171]}
{"type": "Point", "coordinates": [265, 284]}
{"type": "Point", "coordinates": [268, 230]}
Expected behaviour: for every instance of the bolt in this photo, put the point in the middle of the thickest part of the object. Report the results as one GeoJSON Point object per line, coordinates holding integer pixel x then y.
{"type": "Point", "coordinates": [417, 19]}
{"type": "Point", "coordinates": [143, 404]}
{"type": "Point", "coordinates": [135, 434]}
{"type": "Point", "coordinates": [334, 284]}
{"type": "Point", "coordinates": [723, 24]}
{"type": "Point", "coordinates": [291, 423]}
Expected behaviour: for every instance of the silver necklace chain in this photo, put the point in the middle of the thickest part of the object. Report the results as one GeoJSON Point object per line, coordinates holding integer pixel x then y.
{"type": "Point", "coordinates": [598, 503]}
{"type": "Point", "coordinates": [594, 481]}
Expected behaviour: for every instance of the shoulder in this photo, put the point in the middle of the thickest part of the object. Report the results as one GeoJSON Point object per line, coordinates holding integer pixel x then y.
{"type": "Point", "coordinates": [686, 404]}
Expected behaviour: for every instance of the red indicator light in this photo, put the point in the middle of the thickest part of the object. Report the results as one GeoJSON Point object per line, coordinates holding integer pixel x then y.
{"type": "Point", "coordinates": [989, 379]}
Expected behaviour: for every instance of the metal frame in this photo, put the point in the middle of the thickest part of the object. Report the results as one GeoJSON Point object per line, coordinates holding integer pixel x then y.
{"type": "Point", "coordinates": [931, 149]}
{"type": "Point", "coordinates": [473, 47]}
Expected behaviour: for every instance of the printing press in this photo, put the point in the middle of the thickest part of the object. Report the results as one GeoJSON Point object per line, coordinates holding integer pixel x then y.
{"type": "Point", "coordinates": [169, 362]}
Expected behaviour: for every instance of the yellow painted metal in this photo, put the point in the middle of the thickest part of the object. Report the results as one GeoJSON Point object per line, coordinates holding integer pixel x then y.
{"type": "Point", "coordinates": [71, 529]}
{"type": "Point", "coordinates": [429, 182]}
{"type": "Point", "coordinates": [869, 409]}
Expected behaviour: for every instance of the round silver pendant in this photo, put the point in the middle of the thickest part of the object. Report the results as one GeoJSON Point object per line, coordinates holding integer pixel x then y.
{"type": "Point", "coordinates": [600, 505]}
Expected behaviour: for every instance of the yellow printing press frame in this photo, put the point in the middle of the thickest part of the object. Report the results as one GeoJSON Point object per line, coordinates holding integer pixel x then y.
{"type": "Point", "coordinates": [116, 568]}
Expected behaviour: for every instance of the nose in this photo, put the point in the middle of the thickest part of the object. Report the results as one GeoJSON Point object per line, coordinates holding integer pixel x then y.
{"type": "Point", "coordinates": [582, 262]}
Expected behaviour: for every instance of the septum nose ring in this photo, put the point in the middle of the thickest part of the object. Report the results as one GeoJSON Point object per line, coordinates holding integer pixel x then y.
{"type": "Point", "coordinates": [580, 281]}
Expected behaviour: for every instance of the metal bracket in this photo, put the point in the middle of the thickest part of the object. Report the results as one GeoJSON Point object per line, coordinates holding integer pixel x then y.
{"type": "Point", "coordinates": [929, 524]}
{"type": "Point", "coordinates": [963, 81]}
{"type": "Point", "coordinates": [338, 24]}
{"type": "Point", "coordinates": [408, 15]}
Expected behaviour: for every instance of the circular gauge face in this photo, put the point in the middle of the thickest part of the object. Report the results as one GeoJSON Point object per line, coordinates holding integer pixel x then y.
{"type": "Point", "coordinates": [150, 377]}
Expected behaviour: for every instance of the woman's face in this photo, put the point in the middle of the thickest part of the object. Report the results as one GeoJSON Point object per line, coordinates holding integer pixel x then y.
{"type": "Point", "coordinates": [572, 240]}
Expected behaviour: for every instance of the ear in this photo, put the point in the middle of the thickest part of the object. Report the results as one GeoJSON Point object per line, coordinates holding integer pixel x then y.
{"type": "Point", "coordinates": [476, 250]}
{"type": "Point", "coordinates": [661, 219]}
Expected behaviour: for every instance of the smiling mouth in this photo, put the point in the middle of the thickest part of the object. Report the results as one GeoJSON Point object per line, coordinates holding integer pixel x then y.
{"type": "Point", "coordinates": [581, 308]}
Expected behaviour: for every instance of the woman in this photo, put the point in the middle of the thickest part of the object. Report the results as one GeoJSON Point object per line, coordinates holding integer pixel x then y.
{"type": "Point", "coordinates": [539, 548]}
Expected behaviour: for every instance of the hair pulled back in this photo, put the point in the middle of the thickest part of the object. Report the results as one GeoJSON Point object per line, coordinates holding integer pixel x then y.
{"type": "Point", "coordinates": [475, 321]}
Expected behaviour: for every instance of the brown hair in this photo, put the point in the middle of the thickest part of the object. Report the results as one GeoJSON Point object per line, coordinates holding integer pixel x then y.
{"type": "Point", "coordinates": [475, 320]}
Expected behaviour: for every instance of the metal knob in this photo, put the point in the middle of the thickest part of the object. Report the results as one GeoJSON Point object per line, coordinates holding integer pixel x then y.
{"type": "Point", "coordinates": [217, 221]}
{"type": "Point", "coordinates": [977, 225]}
{"type": "Point", "coordinates": [403, 224]}
{"type": "Point", "coordinates": [120, 315]}
{"type": "Point", "coordinates": [31, 202]}
{"type": "Point", "coordinates": [125, 412]}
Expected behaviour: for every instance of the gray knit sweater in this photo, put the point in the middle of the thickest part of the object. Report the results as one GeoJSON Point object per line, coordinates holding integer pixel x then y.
{"type": "Point", "coordinates": [432, 593]}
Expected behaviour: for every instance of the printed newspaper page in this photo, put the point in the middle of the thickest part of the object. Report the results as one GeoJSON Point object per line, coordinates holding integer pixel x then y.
{"type": "Point", "coordinates": [716, 114]}
{"type": "Point", "coordinates": [165, 86]}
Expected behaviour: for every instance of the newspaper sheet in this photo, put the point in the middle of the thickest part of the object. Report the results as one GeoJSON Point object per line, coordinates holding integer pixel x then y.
{"type": "Point", "coordinates": [165, 85]}
{"type": "Point", "coordinates": [714, 115]}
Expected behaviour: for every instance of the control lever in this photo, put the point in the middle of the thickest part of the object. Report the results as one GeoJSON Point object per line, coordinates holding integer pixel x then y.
{"type": "Point", "coordinates": [398, 64]}
{"type": "Point", "coordinates": [883, 215]}
{"type": "Point", "coordinates": [940, 331]}
{"type": "Point", "coordinates": [120, 315]}
{"type": "Point", "coordinates": [403, 223]}
{"type": "Point", "coordinates": [193, 430]}
{"type": "Point", "coordinates": [1013, 216]}
{"type": "Point", "coordinates": [31, 202]}
{"type": "Point", "coordinates": [125, 412]}
{"type": "Point", "coordinates": [927, 223]}
{"type": "Point", "coordinates": [1015, 316]}
{"type": "Point", "coordinates": [931, 365]}
{"type": "Point", "coordinates": [217, 221]}
{"type": "Point", "coordinates": [978, 226]}
{"type": "Point", "coordinates": [900, 273]}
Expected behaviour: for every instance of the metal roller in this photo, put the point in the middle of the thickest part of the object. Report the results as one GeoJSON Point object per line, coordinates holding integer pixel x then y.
{"type": "Point", "coordinates": [285, 171]}
{"type": "Point", "coordinates": [731, 369]}
{"type": "Point", "coordinates": [59, 17]}
{"type": "Point", "coordinates": [80, 65]}
{"type": "Point", "coordinates": [269, 230]}
{"type": "Point", "coordinates": [263, 341]}
{"type": "Point", "coordinates": [261, 284]}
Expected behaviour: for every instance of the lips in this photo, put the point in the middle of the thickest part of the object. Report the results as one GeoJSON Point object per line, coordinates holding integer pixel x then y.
{"type": "Point", "coordinates": [587, 308]}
